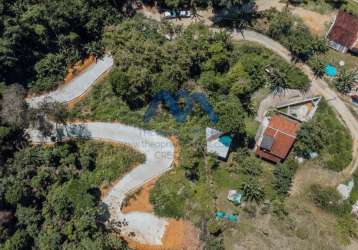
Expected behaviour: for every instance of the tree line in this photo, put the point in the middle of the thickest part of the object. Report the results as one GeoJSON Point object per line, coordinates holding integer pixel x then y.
{"type": "Point", "coordinates": [40, 39]}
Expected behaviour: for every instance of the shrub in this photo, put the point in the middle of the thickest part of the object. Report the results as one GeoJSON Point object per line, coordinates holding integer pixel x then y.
{"type": "Point", "coordinates": [215, 227]}
{"type": "Point", "coordinates": [284, 174]}
{"type": "Point", "coordinates": [326, 198]}
{"type": "Point", "coordinates": [311, 138]}
{"type": "Point", "coordinates": [347, 227]}
{"type": "Point", "coordinates": [292, 33]}
{"type": "Point", "coordinates": [326, 135]}
{"type": "Point", "coordinates": [166, 200]}
{"type": "Point", "coordinates": [251, 166]}
{"type": "Point", "coordinates": [279, 208]}
{"type": "Point", "coordinates": [252, 191]}
{"type": "Point", "coordinates": [345, 80]}
{"type": "Point", "coordinates": [317, 66]}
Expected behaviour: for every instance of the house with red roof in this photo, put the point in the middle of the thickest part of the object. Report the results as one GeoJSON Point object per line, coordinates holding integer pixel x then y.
{"type": "Point", "coordinates": [277, 139]}
{"type": "Point", "coordinates": [343, 34]}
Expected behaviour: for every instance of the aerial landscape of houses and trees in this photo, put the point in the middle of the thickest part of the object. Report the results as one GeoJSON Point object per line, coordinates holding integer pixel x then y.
{"type": "Point", "coordinates": [179, 124]}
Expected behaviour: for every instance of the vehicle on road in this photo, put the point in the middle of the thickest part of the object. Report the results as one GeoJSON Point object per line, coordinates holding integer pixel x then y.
{"type": "Point", "coordinates": [170, 14]}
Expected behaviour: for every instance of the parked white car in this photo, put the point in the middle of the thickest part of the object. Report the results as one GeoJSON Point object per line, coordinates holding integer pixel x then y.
{"type": "Point", "coordinates": [185, 13]}
{"type": "Point", "coordinates": [172, 14]}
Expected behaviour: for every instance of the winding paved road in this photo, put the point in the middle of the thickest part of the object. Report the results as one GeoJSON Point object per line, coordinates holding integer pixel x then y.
{"type": "Point", "coordinates": [79, 85]}
{"type": "Point", "coordinates": [159, 150]}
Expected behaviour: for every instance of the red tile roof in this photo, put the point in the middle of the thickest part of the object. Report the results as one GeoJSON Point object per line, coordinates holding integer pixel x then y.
{"type": "Point", "coordinates": [344, 30]}
{"type": "Point", "coordinates": [283, 130]}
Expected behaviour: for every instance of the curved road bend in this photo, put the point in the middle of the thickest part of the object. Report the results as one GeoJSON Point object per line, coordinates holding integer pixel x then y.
{"type": "Point", "coordinates": [159, 152]}
{"type": "Point", "coordinates": [78, 86]}
{"type": "Point", "coordinates": [318, 85]}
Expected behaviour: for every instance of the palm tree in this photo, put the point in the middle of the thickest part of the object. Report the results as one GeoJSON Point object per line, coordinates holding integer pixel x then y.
{"type": "Point", "coordinates": [277, 80]}
{"type": "Point", "coordinates": [252, 191]}
{"type": "Point", "coordinates": [345, 80]}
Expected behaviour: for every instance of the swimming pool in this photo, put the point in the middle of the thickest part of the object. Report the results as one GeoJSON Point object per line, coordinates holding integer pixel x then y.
{"type": "Point", "coordinates": [330, 70]}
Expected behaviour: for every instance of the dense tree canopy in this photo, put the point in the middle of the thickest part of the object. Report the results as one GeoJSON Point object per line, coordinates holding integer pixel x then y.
{"type": "Point", "coordinates": [148, 62]}
{"type": "Point", "coordinates": [53, 193]}
{"type": "Point", "coordinates": [39, 39]}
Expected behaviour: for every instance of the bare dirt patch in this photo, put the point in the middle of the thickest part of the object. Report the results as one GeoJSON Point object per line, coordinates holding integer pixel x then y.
{"type": "Point", "coordinates": [265, 5]}
{"type": "Point", "coordinates": [140, 200]}
{"type": "Point", "coordinates": [179, 234]}
{"type": "Point", "coordinates": [316, 22]}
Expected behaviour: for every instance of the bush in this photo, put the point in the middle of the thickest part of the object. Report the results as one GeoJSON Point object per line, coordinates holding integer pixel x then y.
{"type": "Point", "coordinates": [279, 208]}
{"type": "Point", "coordinates": [345, 80]}
{"type": "Point", "coordinates": [166, 200]}
{"type": "Point", "coordinates": [317, 66]}
{"type": "Point", "coordinates": [326, 198]}
{"type": "Point", "coordinates": [215, 227]}
{"type": "Point", "coordinates": [293, 34]}
{"type": "Point", "coordinates": [284, 174]}
{"type": "Point", "coordinates": [311, 138]}
{"type": "Point", "coordinates": [326, 135]}
{"type": "Point", "coordinates": [252, 191]}
{"type": "Point", "coordinates": [347, 228]}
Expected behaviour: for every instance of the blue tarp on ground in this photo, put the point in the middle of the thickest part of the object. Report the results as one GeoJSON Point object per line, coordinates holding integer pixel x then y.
{"type": "Point", "coordinates": [220, 214]}
{"type": "Point", "coordinates": [232, 218]}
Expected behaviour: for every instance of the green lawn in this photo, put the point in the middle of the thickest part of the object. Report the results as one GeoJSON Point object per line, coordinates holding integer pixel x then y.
{"type": "Point", "coordinates": [334, 57]}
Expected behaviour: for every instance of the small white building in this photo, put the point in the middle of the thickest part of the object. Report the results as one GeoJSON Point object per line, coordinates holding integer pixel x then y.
{"type": "Point", "coordinates": [217, 143]}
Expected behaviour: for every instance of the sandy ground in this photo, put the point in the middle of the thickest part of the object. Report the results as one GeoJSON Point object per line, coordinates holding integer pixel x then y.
{"type": "Point", "coordinates": [140, 200]}
{"type": "Point", "coordinates": [179, 234]}
{"type": "Point", "coordinates": [268, 4]}
{"type": "Point", "coordinates": [316, 22]}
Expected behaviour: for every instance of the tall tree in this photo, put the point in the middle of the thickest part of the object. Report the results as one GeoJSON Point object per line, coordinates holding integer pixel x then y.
{"type": "Point", "coordinates": [345, 80]}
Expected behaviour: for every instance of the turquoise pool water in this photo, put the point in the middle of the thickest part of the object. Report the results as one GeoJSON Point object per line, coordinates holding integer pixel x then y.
{"type": "Point", "coordinates": [330, 70]}
{"type": "Point", "coordinates": [226, 140]}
